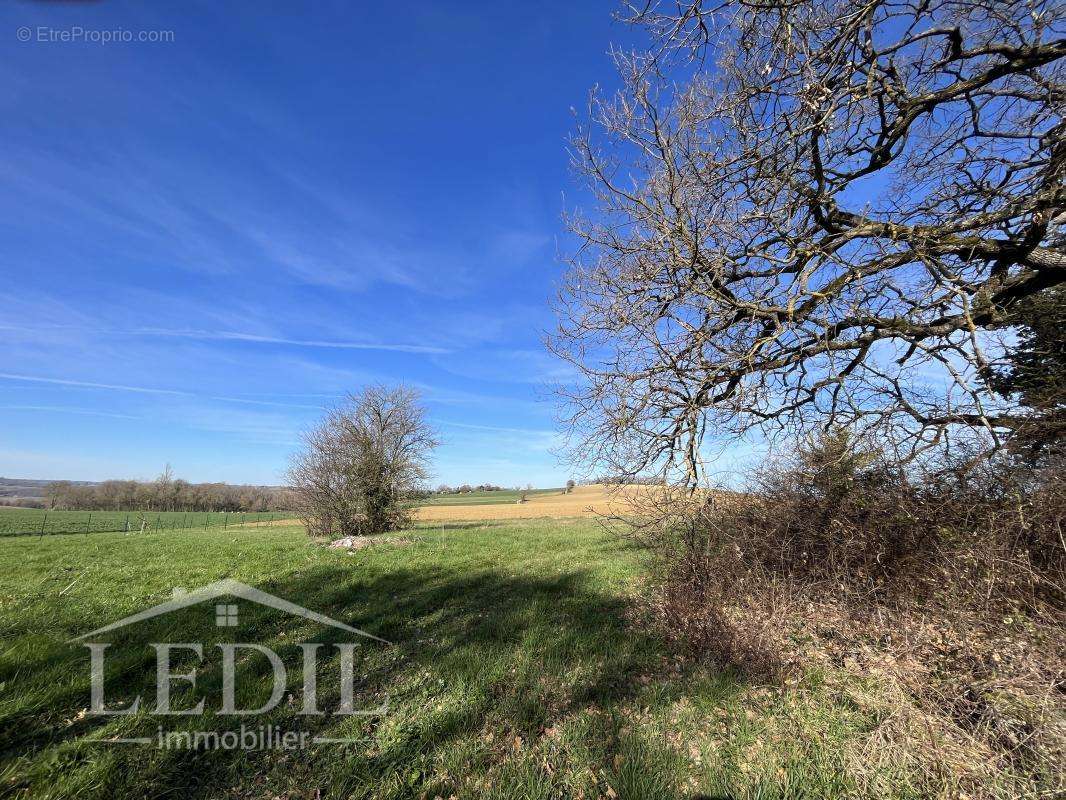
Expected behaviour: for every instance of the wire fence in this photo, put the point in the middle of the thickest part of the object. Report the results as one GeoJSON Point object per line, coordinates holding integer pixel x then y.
{"type": "Point", "coordinates": [27, 522]}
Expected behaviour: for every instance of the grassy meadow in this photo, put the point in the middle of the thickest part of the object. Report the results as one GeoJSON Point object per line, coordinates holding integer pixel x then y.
{"type": "Point", "coordinates": [35, 520]}
{"type": "Point", "coordinates": [484, 498]}
{"type": "Point", "coordinates": [521, 667]}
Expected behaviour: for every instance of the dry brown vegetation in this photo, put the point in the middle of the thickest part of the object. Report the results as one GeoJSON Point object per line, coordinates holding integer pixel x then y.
{"type": "Point", "coordinates": [833, 218]}
{"type": "Point", "coordinates": [937, 603]}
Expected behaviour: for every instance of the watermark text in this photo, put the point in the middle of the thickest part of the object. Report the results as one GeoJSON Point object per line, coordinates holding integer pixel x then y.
{"type": "Point", "coordinates": [76, 34]}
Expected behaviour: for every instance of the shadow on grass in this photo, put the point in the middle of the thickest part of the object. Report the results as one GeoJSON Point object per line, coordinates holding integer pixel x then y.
{"type": "Point", "coordinates": [486, 654]}
{"type": "Point", "coordinates": [37, 534]}
{"type": "Point", "coordinates": [131, 532]}
{"type": "Point", "coordinates": [463, 526]}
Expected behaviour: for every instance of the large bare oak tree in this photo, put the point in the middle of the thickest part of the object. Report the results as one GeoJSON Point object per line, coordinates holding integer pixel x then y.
{"type": "Point", "coordinates": [812, 214]}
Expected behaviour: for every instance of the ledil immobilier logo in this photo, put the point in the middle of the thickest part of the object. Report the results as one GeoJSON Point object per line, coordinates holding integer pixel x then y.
{"type": "Point", "coordinates": [223, 665]}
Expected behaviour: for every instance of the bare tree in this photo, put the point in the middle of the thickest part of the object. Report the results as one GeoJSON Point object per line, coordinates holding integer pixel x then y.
{"type": "Point", "coordinates": [163, 486]}
{"type": "Point", "coordinates": [55, 493]}
{"type": "Point", "coordinates": [173, 494]}
{"type": "Point", "coordinates": [812, 214]}
{"type": "Point", "coordinates": [363, 463]}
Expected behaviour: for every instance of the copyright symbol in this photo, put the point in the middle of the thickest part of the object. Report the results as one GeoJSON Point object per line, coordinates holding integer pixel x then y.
{"type": "Point", "coordinates": [24, 34]}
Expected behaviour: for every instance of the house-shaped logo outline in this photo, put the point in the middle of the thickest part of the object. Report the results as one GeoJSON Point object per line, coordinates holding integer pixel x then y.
{"type": "Point", "coordinates": [223, 588]}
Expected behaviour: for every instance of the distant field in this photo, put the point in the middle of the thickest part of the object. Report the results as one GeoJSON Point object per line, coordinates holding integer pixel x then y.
{"type": "Point", "coordinates": [583, 501]}
{"type": "Point", "coordinates": [484, 498]}
{"type": "Point", "coordinates": [33, 520]}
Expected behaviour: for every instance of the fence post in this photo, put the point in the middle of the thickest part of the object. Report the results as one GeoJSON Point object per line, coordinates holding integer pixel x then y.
{"type": "Point", "coordinates": [225, 519]}
{"type": "Point", "coordinates": [44, 521]}
{"type": "Point", "coordinates": [88, 522]}
{"type": "Point", "coordinates": [127, 524]}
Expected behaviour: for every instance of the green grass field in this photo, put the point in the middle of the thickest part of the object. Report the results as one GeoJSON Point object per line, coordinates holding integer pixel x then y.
{"type": "Point", "coordinates": [521, 668]}
{"type": "Point", "coordinates": [34, 520]}
{"type": "Point", "coordinates": [482, 498]}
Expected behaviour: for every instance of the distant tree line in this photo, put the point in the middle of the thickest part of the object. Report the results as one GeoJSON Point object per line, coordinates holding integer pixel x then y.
{"type": "Point", "coordinates": [466, 488]}
{"type": "Point", "coordinates": [166, 493]}
{"type": "Point", "coordinates": [623, 480]}
{"type": "Point", "coordinates": [22, 502]}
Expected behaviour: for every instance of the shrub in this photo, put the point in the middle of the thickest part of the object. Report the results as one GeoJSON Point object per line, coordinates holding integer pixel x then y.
{"type": "Point", "coordinates": [838, 521]}
{"type": "Point", "coordinates": [942, 592]}
{"type": "Point", "coordinates": [364, 463]}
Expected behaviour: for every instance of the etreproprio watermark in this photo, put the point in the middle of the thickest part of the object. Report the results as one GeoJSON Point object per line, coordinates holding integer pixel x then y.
{"type": "Point", "coordinates": [76, 34]}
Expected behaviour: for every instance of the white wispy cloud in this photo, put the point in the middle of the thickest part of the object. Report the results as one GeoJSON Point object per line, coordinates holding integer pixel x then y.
{"type": "Point", "coordinates": [70, 410]}
{"type": "Point", "coordinates": [495, 428]}
{"type": "Point", "coordinates": [237, 336]}
{"type": "Point", "coordinates": [252, 425]}
{"type": "Point", "coordinates": [136, 389]}
{"type": "Point", "coordinates": [275, 403]}
{"type": "Point", "coordinates": [343, 379]}
{"type": "Point", "coordinates": [508, 365]}
{"type": "Point", "coordinates": [93, 385]}
{"type": "Point", "coordinates": [494, 438]}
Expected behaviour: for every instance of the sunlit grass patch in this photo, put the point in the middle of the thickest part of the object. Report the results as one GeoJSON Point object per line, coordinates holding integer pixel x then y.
{"type": "Point", "coordinates": [521, 667]}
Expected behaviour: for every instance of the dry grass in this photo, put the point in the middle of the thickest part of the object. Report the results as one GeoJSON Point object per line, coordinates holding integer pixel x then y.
{"type": "Point", "coordinates": [597, 500]}
{"type": "Point", "coordinates": [274, 523]}
{"type": "Point", "coordinates": [583, 501]}
{"type": "Point", "coordinates": [934, 607]}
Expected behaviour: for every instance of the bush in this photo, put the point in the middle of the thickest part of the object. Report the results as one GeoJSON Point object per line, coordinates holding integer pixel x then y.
{"type": "Point", "coordinates": [943, 592]}
{"type": "Point", "coordinates": [364, 464]}
{"type": "Point", "coordinates": [837, 520]}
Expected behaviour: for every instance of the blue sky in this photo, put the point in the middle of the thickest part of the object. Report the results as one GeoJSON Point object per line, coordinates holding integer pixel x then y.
{"type": "Point", "coordinates": [204, 241]}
